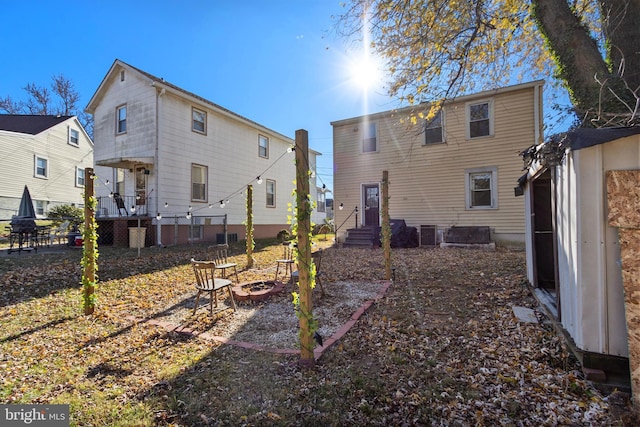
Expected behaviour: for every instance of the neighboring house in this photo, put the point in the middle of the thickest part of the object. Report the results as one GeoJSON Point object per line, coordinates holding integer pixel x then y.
{"type": "Point", "coordinates": [184, 163]}
{"type": "Point", "coordinates": [46, 153]}
{"type": "Point", "coordinates": [573, 254]}
{"type": "Point", "coordinates": [457, 169]}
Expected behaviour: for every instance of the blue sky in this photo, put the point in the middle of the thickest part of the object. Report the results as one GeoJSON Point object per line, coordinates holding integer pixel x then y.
{"type": "Point", "coordinates": [279, 63]}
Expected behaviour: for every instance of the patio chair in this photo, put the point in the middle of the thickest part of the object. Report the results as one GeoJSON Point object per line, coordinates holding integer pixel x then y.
{"type": "Point", "coordinates": [286, 260]}
{"type": "Point", "coordinates": [317, 260]}
{"type": "Point", "coordinates": [206, 281]}
{"type": "Point", "coordinates": [120, 204]}
{"type": "Point", "coordinates": [60, 232]}
{"type": "Point", "coordinates": [219, 256]}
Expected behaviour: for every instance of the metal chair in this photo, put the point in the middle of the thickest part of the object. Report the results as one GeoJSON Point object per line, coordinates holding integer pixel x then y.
{"type": "Point", "coordinates": [286, 260]}
{"type": "Point", "coordinates": [219, 253]}
{"type": "Point", "coordinates": [120, 204]}
{"type": "Point", "coordinates": [206, 281]}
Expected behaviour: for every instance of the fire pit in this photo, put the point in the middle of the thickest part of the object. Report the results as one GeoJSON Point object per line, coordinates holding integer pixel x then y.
{"type": "Point", "coordinates": [257, 291]}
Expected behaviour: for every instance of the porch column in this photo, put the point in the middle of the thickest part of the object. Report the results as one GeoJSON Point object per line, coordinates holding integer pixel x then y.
{"type": "Point", "coordinates": [623, 197]}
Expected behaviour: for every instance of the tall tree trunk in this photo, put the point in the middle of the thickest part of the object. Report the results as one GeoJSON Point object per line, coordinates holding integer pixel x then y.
{"type": "Point", "coordinates": [575, 52]}
{"type": "Point", "coordinates": [600, 89]}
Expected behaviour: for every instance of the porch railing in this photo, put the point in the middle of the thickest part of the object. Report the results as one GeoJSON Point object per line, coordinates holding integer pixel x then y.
{"type": "Point", "coordinates": [110, 206]}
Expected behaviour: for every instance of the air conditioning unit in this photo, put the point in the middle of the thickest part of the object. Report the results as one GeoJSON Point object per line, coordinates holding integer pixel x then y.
{"type": "Point", "coordinates": [428, 235]}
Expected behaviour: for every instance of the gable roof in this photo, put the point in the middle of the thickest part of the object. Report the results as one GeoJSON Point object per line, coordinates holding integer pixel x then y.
{"type": "Point", "coordinates": [29, 124]}
{"type": "Point", "coordinates": [161, 84]}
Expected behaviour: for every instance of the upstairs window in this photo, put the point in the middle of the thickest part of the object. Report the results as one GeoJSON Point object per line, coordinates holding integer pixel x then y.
{"type": "Point", "coordinates": [198, 183]}
{"type": "Point", "coordinates": [74, 137]}
{"type": "Point", "coordinates": [41, 167]}
{"type": "Point", "coordinates": [121, 119]}
{"type": "Point", "coordinates": [369, 137]}
{"type": "Point", "coordinates": [479, 117]}
{"type": "Point", "coordinates": [199, 121]}
{"type": "Point", "coordinates": [271, 193]}
{"type": "Point", "coordinates": [263, 146]}
{"type": "Point", "coordinates": [79, 177]}
{"type": "Point", "coordinates": [433, 130]}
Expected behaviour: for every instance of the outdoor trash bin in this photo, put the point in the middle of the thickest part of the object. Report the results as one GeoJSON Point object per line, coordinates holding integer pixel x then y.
{"type": "Point", "coordinates": [137, 237]}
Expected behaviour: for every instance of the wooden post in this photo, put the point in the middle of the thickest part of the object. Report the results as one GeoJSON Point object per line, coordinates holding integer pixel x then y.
{"type": "Point", "coordinates": [89, 260]}
{"type": "Point", "coordinates": [303, 220]}
{"type": "Point", "coordinates": [386, 225]}
{"type": "Point", "coordinates": [249, 226]}
{"type": "Point", "coordinates": [623, 200]}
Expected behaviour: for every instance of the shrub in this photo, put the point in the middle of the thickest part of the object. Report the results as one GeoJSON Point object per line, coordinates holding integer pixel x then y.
{"type": "Point", "coordinates": [61, 213]}
{"type": "Point", "coordinates": [283, 235]}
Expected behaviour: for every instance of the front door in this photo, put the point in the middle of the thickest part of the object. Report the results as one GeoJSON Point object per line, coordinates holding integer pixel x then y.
{"type": "Point", "coordinates": [371, 205]}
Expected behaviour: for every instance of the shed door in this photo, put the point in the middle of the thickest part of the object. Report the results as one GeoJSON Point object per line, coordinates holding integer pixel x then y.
{"type": "Point", "coordinates": [371, 205]}
{"type": "Point", "coordinates": [544, 235]}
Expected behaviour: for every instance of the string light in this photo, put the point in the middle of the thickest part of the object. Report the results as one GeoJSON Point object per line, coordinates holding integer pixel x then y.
{"type": "Point", "coordinates": [341, 206]}
{"type": "Point", "coordinates": [188, 215]}
{"type": "Point", "coordinates": [158, 216]}
{"type": "Point", "coordinates": [222, 204]}
{"type": "Point", "coordinates": [190, 207]}
{"type": "Point", "coordinates": [106, 182]}
{"type": "Point", "coordinates": [166, 204]}
{"type": "Point", "coordinates": [133, 208]}
{"type": "Point", "coordinates": [259, 179]}
{"type": "Point", "coordinates": [210, 205]}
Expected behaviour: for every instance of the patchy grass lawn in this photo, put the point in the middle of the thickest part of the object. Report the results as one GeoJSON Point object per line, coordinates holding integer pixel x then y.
{"type": "Point", "coordinates": [441, 348]}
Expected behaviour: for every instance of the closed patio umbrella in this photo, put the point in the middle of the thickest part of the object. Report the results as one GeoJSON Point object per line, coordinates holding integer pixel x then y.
{"type": "Point", "coordinates": [26, 209]}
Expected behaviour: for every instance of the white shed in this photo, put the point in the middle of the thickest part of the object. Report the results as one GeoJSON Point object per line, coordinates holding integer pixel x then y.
{"type": "Point", "coordinates": [573, 255]}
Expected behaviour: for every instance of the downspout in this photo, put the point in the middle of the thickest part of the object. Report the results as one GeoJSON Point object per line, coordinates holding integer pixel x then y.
{"type": "Point", "coordinates": [157, 163]}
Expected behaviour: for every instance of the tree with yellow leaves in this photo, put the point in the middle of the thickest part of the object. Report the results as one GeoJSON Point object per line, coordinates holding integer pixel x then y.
{"type": "Point", "coordinates": [439, 49]}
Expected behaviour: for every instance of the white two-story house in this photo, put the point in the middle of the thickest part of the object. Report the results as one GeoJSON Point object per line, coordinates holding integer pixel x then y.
{"type": "Point", "coordinates": [46, 153]}
{"type": "Point", "coordinates": [184, 163]}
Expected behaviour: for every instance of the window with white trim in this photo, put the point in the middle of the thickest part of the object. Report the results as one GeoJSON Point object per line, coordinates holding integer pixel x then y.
{"type": "Point", "coordinates": [434, 130]}
{"type": "Point", "coordinates": [40, 207]}
{"type": "Point", "coordinates": [263, 146]}
{"type": "Point", "coordinates": [198, 121]}
{"type": "Point", "coordinates": [369, 137]}
{"type": "Point", "coordinates": [41, 167]}
{"type": "Point", "coordinates": [479, 119]}
{"type": "Point", "coordinates": [74, 137]}
{"type": "Point", "coordinates": [481, 188]}
{"type": "Point", "coordinates": [198, 183]}
{"type": "Point", "coordinates": [79, 177]}
{"type": "Point", "coordinates": [271, 193]}
{"type": "Point", "coordinates": [121, 119]}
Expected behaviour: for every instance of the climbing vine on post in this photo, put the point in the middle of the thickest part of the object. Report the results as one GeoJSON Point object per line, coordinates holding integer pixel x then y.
{"type": "Point", "coordinates": [249, 229]}
{"type": "Point", "coordinates": [306, 269]}
{"type": "Point", "coordinates": [386, 225]}
{"type": "Point", "coordinates": [90, 245]}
